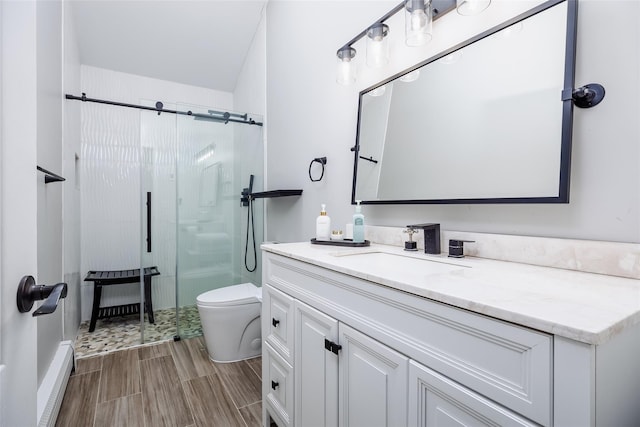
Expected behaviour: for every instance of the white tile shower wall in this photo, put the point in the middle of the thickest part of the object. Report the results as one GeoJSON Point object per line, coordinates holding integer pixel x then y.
{"type": "Point", "coordinates": [111, 236]}
{"type": "Point", "coordinates": [611, 258]}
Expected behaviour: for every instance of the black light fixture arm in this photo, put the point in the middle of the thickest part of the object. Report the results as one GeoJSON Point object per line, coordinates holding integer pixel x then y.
{"type": "Point", "coordinates": [388, 15]}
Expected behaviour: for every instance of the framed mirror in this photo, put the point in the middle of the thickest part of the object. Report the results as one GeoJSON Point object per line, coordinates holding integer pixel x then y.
{"type": "Point", "coordinates": [483, 122]}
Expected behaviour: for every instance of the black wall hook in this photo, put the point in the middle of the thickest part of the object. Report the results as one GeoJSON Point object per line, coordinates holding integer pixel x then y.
{"type": "Point", "coordinates": [159, 106]}
{"type": "Point", "coordinates": [586, 96]}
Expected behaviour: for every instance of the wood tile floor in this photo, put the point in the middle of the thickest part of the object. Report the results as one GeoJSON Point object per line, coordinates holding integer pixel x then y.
{"type": "Point", "coordinates": [171, 384]}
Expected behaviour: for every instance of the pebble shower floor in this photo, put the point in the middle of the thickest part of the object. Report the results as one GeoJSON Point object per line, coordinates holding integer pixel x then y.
{"type": "Point", "coordinates": [122, 332]}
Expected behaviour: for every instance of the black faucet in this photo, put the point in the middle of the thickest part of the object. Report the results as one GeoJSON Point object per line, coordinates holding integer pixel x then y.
{"type": "Point", "coordinates": [431, 237]}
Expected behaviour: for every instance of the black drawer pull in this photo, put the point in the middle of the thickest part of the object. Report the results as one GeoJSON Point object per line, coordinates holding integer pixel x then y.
{"type": "Point", "coordinates": [274, 385]}
{"type": "Point", "coordinates": [274, 322]}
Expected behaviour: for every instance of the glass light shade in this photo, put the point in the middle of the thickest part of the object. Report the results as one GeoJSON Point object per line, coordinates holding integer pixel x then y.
{"type": "Point", "coordinates": [452, 58]}
{"type": "Point", "coordinates": [377, 45]}
{"type": "Point", "coordinates": [410, 77]}
{"type": "Point", "coordinates": [418, 22]}
{"type": "Point", "coordinates": [512, 30]}
{"type": "Point", "coordinates": [471, 7]}
{"type": "Point", "coordinates": [379, 91]}
{"type": "Point", "coordinates": [346, 72]}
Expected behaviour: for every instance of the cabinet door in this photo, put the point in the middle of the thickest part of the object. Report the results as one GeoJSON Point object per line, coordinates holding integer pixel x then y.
{"type": "Point", "coordinates": [316, 368]}
{"type": "Point", "coordinates": [372, 382]}
{"type": "Point", "coordinates": [436, 401]}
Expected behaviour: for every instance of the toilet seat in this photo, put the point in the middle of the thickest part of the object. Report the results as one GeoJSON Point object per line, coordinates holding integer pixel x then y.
{"type": "Point", "coordinates": [244, 293]}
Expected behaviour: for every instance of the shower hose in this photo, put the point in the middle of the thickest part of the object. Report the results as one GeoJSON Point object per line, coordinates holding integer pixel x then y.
{"type": "Point", "coordinates": [250, 222]}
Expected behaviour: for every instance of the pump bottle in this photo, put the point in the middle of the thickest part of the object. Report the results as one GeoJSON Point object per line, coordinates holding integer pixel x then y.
{"type": "Point", "coordinates": [358, 224]}
{"type": "Point", "coordinates": [323, 225]}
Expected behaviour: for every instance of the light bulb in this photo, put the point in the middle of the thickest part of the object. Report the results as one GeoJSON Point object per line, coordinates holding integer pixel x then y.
{"type": "Point", "coordinates": [379, 91]}
{"type": "Point", "coordinates": [410, 77]}
{"type": "Point", "coordinates": [346, 72]}
{"type": "Point", "coordinates": [377, 45]}
{"type": "Point", "coordinates": [418, 20]}
{"type": "Point", "coordinates": [471, 7]}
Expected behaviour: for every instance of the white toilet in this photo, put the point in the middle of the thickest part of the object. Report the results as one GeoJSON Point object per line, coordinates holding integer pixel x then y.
{"type": "Point", "coordinates": [230, 320]}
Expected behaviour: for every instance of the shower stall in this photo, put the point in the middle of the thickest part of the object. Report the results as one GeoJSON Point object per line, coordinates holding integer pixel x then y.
{"type": "Point", "coordinates": [162, 188]}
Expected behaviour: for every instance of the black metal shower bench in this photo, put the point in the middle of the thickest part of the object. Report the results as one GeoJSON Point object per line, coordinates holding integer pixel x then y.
{"type": "Point", "coordinates": [119, 277]}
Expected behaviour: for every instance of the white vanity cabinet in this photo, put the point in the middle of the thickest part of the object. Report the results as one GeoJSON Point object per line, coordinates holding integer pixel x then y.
{"type": "Point", "coordinates": [367, 355]}
{"type": "Point", "coordinates": [360, 380]}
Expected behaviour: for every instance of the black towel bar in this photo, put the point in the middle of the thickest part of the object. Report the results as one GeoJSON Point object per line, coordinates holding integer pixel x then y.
{"type": "Point", "coordinates": [50, 176]}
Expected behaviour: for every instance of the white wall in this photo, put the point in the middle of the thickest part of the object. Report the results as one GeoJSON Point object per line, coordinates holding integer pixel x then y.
{"type": "Point", "coordinates": [110, 175]}
{"type": "Point", "coordinates": [250, 96]}
{"type": "Point", "coordinates": [49, 128]}
{"type": "Point", "coordinates": [71, 188]}
{"type": "Point", "coordinates": [310, 116]}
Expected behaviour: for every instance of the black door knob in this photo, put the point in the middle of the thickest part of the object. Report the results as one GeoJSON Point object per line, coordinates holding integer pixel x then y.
{"type": "Point", "coordinates": [275, 322]}
{"type": "Point", "coordinates": [29, 292]}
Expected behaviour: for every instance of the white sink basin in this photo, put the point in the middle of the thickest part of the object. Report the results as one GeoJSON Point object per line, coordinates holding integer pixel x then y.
{"type": "Point", "coordinates": [376, 262]}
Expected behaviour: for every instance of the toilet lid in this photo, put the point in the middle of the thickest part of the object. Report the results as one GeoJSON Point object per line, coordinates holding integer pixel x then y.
{"type": "Point", "coordinates": [244, 293]}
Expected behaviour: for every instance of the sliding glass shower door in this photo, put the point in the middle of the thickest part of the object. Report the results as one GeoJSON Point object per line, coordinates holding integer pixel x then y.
{"type": "Point", "coordinates": [157, 223]}
{"type": "Point", "coordinates": [215, 159]}
{"type": "Point", "coordinates": [193, 226]}
{"type": "Point", "coordinates": [161, 193]}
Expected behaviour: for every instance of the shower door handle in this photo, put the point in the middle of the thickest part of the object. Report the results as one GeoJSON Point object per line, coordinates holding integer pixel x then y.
{"type": "Point", "coordinates": [148, 221]}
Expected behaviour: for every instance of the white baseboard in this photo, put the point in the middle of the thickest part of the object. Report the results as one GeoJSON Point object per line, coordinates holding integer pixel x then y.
{"type": "Point", "coordinates": [54, 384]}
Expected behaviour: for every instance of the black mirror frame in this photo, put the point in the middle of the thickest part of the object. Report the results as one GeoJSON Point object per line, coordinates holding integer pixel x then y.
{"type": "Point", "coordinates": [567, 113]}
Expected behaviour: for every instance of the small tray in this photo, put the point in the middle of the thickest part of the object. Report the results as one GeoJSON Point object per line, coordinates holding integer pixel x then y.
{"type": "Point", "coordinates": [344, 242]}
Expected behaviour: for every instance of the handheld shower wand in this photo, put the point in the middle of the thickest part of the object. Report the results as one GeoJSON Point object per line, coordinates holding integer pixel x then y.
{"type": "Point", "coordinates": [247, 200]}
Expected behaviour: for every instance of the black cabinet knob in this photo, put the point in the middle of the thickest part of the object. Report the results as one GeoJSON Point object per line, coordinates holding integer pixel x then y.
{"type": "Point", "coordinates": [275, 322]}
{"type": "Point", "coordinates": [274, 385]}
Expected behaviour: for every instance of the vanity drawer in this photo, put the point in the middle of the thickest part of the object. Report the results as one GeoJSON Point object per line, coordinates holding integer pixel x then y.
{"type": "Point", "coordinates": [507, 363]}
{"type": "Point", "coordinates": [277, 321]}
{"type": "Point", "coordinates": [277, 385]}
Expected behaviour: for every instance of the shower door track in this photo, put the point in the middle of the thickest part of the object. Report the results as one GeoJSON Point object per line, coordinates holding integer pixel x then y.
{"type": "Point", "coordinates": [216, 116]}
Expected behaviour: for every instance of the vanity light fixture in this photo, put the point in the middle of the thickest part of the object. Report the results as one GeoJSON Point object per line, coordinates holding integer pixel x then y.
{"type": "Point", "coordinates": [206, 153]}
{"type": "Point", "coordinates": [418, 22]}
{"type": "Point", "coordinates": [452, 58]}
{"type": "Point", "coordinates": [410, 77]}
{"type": "Point", "coordinates": [377, 45]}
{"type": "Point", "coordinates": [379, 91]}
{"type": "Point", "coordinates": [346, 68]}
{"type": "Point", "coordinates": [419, 17]}
{"type": "Point", "coordinates": [471, 7]}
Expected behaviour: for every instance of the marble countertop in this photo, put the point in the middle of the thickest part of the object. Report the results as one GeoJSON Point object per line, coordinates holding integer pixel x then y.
{"type": "Point", "coordinates": [585, 307]}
